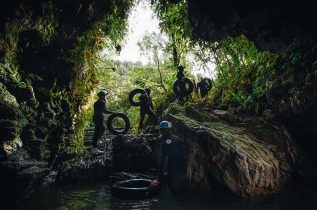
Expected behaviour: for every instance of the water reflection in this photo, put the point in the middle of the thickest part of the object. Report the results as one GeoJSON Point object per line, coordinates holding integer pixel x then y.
{"type": "Point", "coordinates": [97, 196]}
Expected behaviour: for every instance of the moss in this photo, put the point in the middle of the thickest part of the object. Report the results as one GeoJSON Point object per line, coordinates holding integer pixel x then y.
{"type": "Point", "coordinates": [9, 107]}
{"type": "Point", "coordinates": [234, 137]}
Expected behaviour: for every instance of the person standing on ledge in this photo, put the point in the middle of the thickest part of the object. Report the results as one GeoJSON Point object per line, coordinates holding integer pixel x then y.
{"type": "Point", "coordinates": [202, 85]}
{"type": "Point", "coordinates": [99, 117]}
{"type": "Point", "coordinates": [146, 106]}
{"type": "Point", "coordinates": [182, 86]}
{"type": "Point", "coordinates": [173, 165]}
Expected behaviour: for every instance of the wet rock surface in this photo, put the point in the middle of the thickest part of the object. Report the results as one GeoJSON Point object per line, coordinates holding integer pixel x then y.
{"type": "Point", "coordinates": [10, 116]}
{"type": "Point", "coordinates": [120, 157]}
{"type": "Point", "coordinates": [87, 167]}
{"type": "Point", "coordinates": [248, 161]}
{"type": "Point", "coordinates": [131, 153]}
{"type": "Point", "coordinates": [20, 175]}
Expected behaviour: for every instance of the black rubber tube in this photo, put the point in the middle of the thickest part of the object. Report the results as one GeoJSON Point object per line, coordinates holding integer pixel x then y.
{"type": "Point", "coordinates": [134, 189]}
{"type": "Point", "coordinates": [189, 90]}
{"type": "Point", "coordinates": [132, 94]}
{"type": "Point", "coordinates": [208, 82]}
{"type": "Point", "coordinates": [114, 131]}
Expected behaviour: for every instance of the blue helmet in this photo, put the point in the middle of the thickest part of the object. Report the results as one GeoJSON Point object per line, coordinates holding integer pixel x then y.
{"type": "Point", "coordinates": [102, 93]}
{"type": "Point", "coordinates": [165, 125]}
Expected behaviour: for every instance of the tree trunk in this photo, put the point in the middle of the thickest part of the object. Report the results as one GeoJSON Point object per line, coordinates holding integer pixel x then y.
{"type": "Point", "coordinates": [161, 79]}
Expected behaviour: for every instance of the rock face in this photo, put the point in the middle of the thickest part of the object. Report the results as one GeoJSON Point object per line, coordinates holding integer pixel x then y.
{"type": "Point", "coordinates": [273, 25]}
{"type": "Point", "coordinates": [27, 174]}
{"type": "Point", "coordinates": [276, 26]}
{"type": "Point", "coordinates": [131, 153]}
{"type": "Point", "coordinates": [123, 153]}
{"type": "Point", "coordinates": [254, 158]}
{"type": "Point", "coordinates": [87, 167]}
{"type": "Point", "coordinates": [9, 122]}
{"type": "Point", "coordinates": [42, 92]}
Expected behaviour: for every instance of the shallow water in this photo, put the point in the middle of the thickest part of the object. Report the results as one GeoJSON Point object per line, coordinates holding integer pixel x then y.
{"type": "Point", "coordinates": [97, 196]}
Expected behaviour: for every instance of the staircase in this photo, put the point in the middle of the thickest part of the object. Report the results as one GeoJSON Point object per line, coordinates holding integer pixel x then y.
{"type": "Point", "coordinates": [89, 134]}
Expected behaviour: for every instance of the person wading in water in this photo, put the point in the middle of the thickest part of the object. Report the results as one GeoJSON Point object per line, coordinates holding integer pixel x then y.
{"type": "Point", "coordinates": [173, 165]}
{"type": "Point", "coordinates": [146, 106]}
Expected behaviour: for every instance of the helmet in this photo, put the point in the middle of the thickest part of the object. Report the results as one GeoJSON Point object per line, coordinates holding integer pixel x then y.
{"type": "Point", "coordinates": [181, 68]}
{"type": "Point", "coordinates": [147, 89]}
{"type": "Point", "coordinates": [165, 124]}
{"type": "Point", "coordinates": [102, 93]}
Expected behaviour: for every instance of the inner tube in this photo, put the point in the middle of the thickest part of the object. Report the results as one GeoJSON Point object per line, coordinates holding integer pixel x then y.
{"type": "Point", "coordinates": [189, 90]}
{"type": "Point", "coordinates": [208, 82]}
{"type": "Point", "coordinates": [132, 94]}
{"type": "Point", "coordinates": [114, 131]}
{"type": "Point", "coordinates": [134, 189]}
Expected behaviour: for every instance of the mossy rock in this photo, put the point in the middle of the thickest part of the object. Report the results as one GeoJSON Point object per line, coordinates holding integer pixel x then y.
{"type": "Point", "coordinates": [9, 107]}
{"type": "Point", "coordinates": [10, 116]}
{"type": "Point", "coordinates": [192, 111]}
{"type": "Point", "coordinates": [248, 165]}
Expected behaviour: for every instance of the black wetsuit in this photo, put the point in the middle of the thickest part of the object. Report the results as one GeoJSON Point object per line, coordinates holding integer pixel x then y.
{"type": "Point", "coordinates": [98, 118]}
{"type": "Point", "coordinates": [202, 85]}
{"type": "Point", "coordinates": [146, 104]}
{"type": "Point", "coordinates": [173, 163]}
{"type": "Point", "coordinates": [182, 86]}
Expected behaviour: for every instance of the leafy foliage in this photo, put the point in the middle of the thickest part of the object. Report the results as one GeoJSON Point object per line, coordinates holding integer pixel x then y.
{"type": "Point", "coordinates": [107, 34]}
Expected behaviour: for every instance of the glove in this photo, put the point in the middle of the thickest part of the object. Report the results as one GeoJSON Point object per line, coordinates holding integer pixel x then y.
{"type": "Point", "coordinates": [154, 182]}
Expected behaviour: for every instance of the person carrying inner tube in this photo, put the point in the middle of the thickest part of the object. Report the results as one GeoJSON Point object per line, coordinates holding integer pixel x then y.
{"type": "Point", "coordinates": [202, 86]}
{"type": "Point", "coordinates": [146, 106]}
{"type": "Point", "coordinates": [99, 116]}
{"type": "Point", "coordinates": [173, 165]}
{"type": "Point", "coordinates": [182, 85]}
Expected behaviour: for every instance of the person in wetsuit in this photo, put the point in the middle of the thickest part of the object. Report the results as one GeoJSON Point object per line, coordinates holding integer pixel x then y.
{"type": "Point", "coordinates": [182, 85]}
{"type": "Point", "coordinates": [202, 86]}
{"type": "Point", "coordinates": [146, 106]}
{"type": "Point", "coordinates": [173, 165]}
{"type": "Point", "coordinates": [98, 118]}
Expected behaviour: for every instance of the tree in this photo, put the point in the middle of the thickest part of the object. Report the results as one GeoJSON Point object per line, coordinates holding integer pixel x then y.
{"type": "Point", "coordinates": [153, 46]}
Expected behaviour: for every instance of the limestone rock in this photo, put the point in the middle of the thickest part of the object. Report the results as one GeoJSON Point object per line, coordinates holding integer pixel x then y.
{"type": "Point", "coordinates": [87, 167]}
{"type": "Point", "coordinates": [20, 175]}
{"type": "Point", "coordinates": [131, 153]}
{"type": "Point", "coordinates": [9, 116]}
{"type": "Point", "coordinates": [247, 163]}
{"type": "Point", "coordinates": [272, 27]}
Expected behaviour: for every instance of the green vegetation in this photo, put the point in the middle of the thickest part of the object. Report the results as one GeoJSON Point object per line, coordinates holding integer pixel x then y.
{"type": "Point", "coordinates": [128, 76]}
{"type": "Point", "coordinates": [107, 34]}
{"type": "Point", "coordinates": [247, 79]}
{"type": "Point", "coordinates": [80, 54]}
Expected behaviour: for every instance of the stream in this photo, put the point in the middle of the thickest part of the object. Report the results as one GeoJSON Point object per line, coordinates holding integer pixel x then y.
{"type": "Point", "coordinates": [97, 196]}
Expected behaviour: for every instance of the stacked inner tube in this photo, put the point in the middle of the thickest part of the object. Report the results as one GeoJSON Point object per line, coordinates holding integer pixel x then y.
{"type": "Point", "coordinates": [110, 126]}
{"type": "Point", "coordinates": [208, 81]}
{"type": "Point", "coordinates": [133, 93]}
{"type": "Point", "coordinates": [134, 189]}
{"type": "Point", "coordinates": [189, 90]}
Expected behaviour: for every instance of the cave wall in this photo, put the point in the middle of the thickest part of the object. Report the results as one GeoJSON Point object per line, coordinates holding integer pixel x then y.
{"type": "Point", "coordinates": [44, 68]}
{"type": "Point", "coordinates": [44, 83]}
{"type": "Point", "coordinates": [37, 114]}
{"type": "Point", "coordinates": [280, 27]}
{"type": "Point", "coordinates": [272, 25]}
